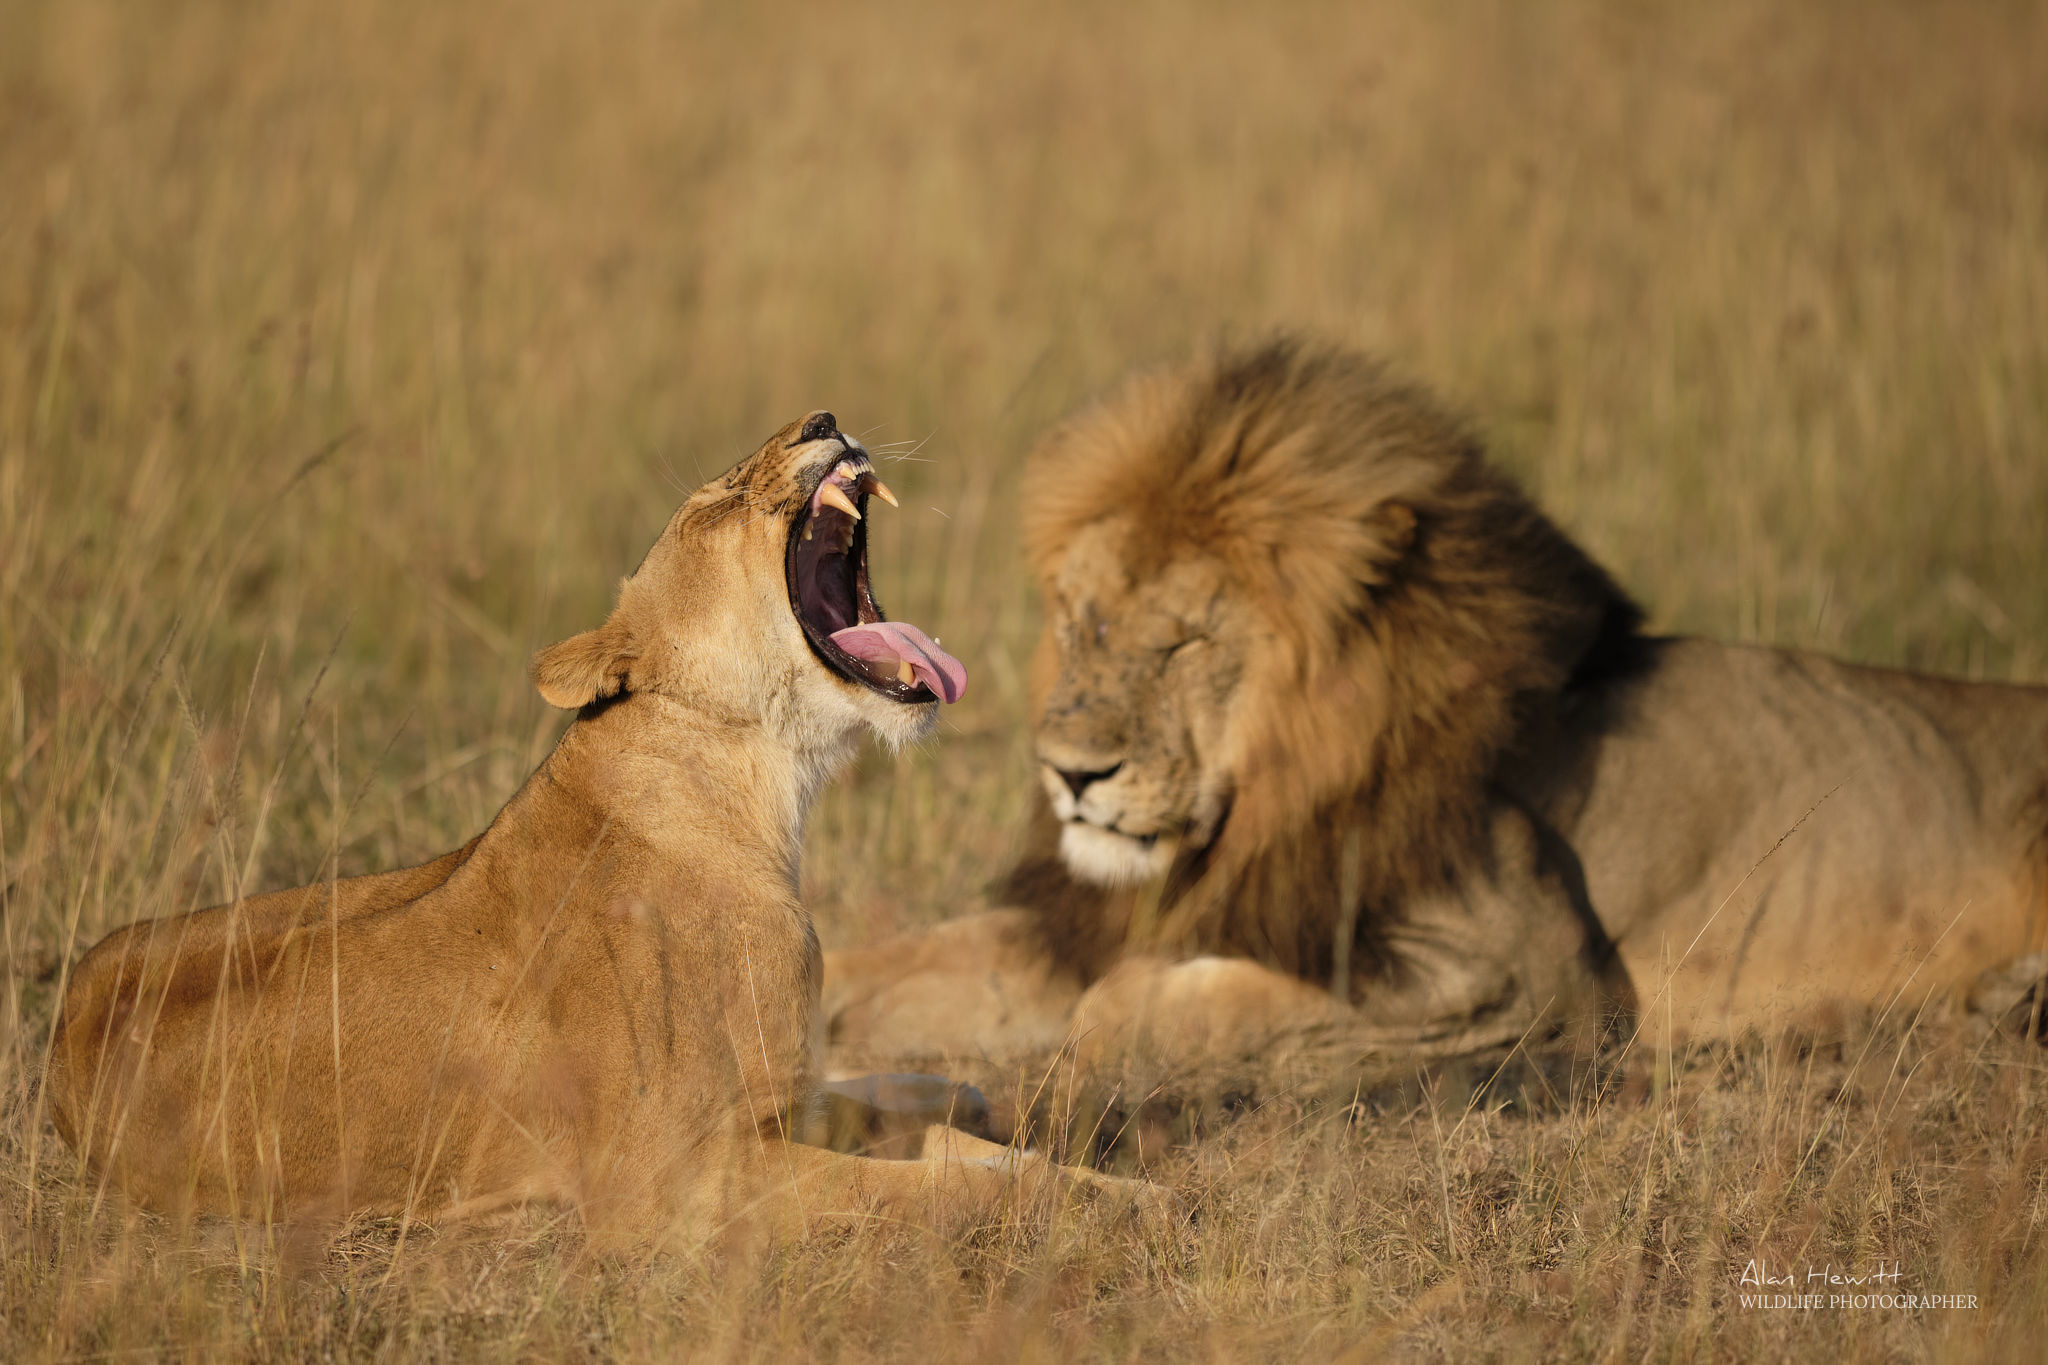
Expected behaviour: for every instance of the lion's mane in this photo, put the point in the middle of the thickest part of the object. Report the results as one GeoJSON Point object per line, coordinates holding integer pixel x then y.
{"type": "Point", "coordinates": [1427, 608]}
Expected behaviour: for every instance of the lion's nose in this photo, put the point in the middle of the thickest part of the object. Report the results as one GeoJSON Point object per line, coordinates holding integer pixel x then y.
{"type": "Point", "coordinates": [1078, 782]}
{"type": "Point", "coordinates": [819, 426]}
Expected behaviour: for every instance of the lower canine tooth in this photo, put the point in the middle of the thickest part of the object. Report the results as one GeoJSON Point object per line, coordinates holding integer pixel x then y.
{"type": "Point", "coordinates": [905, 674]}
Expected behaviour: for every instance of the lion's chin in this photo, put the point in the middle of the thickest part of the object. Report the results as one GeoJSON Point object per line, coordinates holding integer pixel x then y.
{"type": "Point", "coordinates": [1110, 859]}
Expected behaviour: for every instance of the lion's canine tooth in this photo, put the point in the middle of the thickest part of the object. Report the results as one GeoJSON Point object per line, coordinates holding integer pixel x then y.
{"type": "Point", "coordinates": [870, 484]}
{"type": "Point", "coordinates": [832, 495]}
{"type": "Point", "coordinates": [905, 674]}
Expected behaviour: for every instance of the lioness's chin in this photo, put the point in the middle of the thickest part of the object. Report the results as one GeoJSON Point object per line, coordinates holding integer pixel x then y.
{"type": "Point", "coordinates": [1110, 859]}
{"type": "Point", "coordinates": [897, 724]}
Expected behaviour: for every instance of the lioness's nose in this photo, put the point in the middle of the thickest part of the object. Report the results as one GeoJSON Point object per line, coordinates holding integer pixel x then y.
{"type": "Point", "coordinates": [1078, 782]}
{"type": "Point", "coordinates": [817, 427]}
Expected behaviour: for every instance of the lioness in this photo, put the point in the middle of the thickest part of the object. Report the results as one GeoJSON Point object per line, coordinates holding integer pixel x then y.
{"type": "Point", "coordinates": [1338, 732]}
{"type": "Point", "coordinates": [608, 996]}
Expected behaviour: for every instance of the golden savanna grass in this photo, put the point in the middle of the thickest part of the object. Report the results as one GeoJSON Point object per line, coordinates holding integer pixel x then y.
{"type": "Point", "coordinates": [350, 352]}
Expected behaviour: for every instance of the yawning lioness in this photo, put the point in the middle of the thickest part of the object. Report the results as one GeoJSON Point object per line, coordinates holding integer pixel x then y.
{"type": "Point", "coordinates": [607, 997]}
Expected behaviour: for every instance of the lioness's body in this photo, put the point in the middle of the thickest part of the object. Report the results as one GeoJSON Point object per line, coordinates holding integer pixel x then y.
{"type": "Point", "coordinates": [1341, 737]}
{"type": "Point", "coordinates": [606, 999]}
{"type": "Point", "coordinates": [558, 1010]}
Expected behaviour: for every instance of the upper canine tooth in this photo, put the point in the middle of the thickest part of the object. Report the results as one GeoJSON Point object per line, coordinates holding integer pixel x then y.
{"type": "Point", "coordinates": [832, 495]}
{"type": "Point", "coordinates": [870, 484]}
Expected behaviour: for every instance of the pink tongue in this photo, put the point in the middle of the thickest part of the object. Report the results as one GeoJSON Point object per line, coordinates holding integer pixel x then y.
{"type": "Point", "coordinates": [895, 642]}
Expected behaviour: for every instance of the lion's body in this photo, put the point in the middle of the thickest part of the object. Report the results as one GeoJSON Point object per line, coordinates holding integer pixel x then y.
{"type": "Point", "coordinates": [1339, 733]}
{"type": "Point", "coordinates": [1791, 833]}
{"type": "Point", "coordinates": [606, 1000]}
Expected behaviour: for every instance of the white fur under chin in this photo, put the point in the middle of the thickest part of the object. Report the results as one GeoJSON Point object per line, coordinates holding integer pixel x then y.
{"type": "Point", "coordinates": [897, 724]}
{"type": "Point", "coordinates": [1110, 859]}
{"type": "Point", "coordinates": [837, 709]}
{"type": "Point", "coordinates": [830, 714]}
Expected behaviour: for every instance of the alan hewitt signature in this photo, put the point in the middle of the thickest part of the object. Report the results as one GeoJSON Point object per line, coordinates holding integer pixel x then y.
{"type": "Point", "coordinates": [1766, 1285]}
{"type": "Point", "coordinates": [1759, 1274]}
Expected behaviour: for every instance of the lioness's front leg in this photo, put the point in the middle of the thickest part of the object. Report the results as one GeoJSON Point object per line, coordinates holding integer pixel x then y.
{"type": "Point", "coordinates": [794, 1190]}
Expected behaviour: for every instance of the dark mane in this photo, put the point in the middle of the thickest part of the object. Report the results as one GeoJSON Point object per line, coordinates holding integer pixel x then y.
{"type": "Point", "coordinates": [1429, 605]}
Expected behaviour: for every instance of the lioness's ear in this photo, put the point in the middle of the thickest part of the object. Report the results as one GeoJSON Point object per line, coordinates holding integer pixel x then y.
{"type": "Point", "coordinates": [584, 667]}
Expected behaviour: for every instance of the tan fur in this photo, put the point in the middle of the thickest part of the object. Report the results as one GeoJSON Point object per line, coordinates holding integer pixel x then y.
{"type": "Point", "coordinates": [1343, 706]}
{"type": "Point", "coordinates": [606, 999]}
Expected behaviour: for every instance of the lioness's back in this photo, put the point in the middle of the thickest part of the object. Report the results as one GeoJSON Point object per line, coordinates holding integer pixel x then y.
{"type": "Point", "coordinates": [97, 1019]}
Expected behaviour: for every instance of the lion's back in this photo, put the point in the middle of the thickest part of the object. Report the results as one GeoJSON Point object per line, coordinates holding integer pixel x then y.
{"type": "Point", "coordinates": [1766, 823]}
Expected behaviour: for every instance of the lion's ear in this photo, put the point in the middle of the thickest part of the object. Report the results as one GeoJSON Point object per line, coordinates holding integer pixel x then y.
{"type": "Point", "coordinates": [585, 667]}
{"type": "Point", "coordinates": [1392, 525]}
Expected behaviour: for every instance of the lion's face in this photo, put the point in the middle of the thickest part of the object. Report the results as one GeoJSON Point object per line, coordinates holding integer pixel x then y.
{"type": "Point", "coordinates": [1140, 675]}
{"type": "Point", "coordinates": [755, 604]}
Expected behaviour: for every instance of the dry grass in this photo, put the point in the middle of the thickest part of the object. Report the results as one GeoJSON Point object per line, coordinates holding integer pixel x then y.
{"type": "Point", "coordinates": [348, 353]}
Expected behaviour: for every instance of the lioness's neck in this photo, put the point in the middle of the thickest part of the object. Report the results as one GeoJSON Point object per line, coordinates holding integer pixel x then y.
{"type": "Point", "coordinates": [679, 778]}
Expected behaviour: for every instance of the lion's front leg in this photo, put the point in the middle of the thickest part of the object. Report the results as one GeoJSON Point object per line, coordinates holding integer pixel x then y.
{"type": "Point", "coordinates": [978, 987]}
{"type": "Point", "coordinates": [1189, 1016]}
{"type": "Point", "coordinates": [1508, 953]}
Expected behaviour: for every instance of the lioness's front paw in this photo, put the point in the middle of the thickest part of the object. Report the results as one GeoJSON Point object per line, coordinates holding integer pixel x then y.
{"type": "Point", "coordinates": [1154, 1205]}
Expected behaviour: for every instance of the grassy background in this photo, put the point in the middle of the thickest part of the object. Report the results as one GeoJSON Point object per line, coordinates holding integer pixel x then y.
{"type": "Point", "coordinates": [349, 353]}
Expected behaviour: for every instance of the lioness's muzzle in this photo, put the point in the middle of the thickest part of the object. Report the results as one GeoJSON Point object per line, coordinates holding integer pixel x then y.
{"type": "Point", "coordinates": [831, 597]}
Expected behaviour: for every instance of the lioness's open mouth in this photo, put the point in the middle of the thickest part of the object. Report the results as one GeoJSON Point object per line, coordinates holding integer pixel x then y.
{"type": "Point", "coordinates": [829, 592]}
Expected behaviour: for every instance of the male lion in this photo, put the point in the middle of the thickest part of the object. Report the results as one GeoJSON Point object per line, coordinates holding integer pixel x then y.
{"type": "Point", "coordinates": [1338, 732]}
{"type": "Point", "coordinates": [607, 998]}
